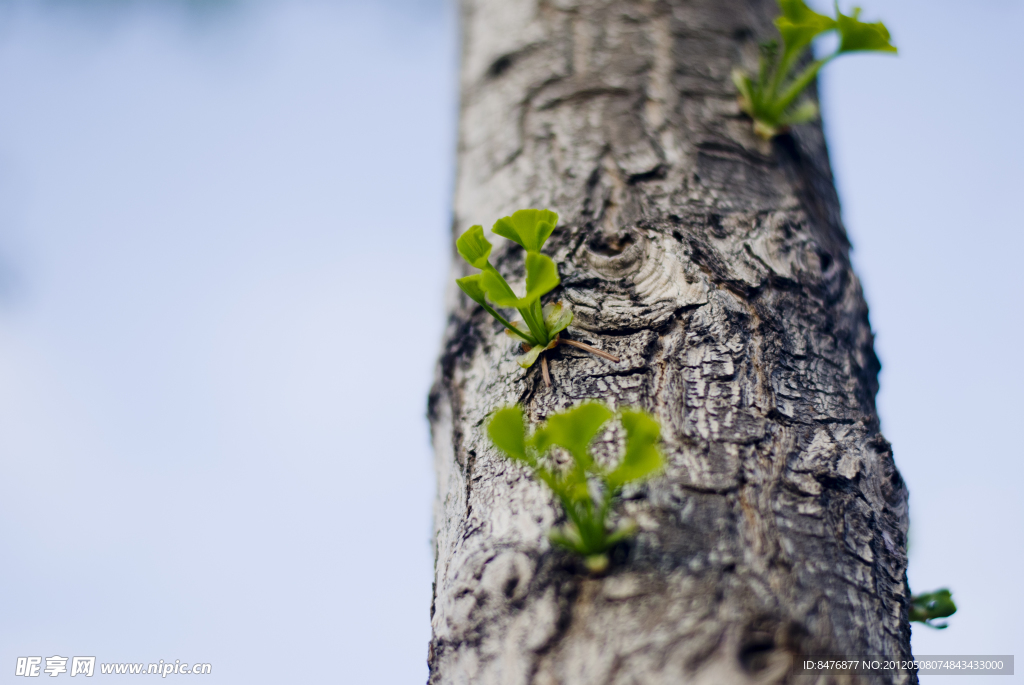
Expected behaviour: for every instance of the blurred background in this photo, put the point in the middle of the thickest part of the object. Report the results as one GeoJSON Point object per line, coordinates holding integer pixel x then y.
{"type": "Point", "coordinates": [223, 246]}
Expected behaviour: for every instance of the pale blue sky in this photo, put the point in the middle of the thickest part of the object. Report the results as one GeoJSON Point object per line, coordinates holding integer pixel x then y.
{"type": "Point", "coordinates": [226, 239]}
{"type": "Point", "coordinates": [223, 244]}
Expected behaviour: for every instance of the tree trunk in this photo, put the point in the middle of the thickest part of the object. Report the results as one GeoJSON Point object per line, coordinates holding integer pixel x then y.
{"type": "Point", "coordinates": [715, 265]}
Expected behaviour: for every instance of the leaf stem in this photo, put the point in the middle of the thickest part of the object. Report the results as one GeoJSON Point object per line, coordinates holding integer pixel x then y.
{"type": "Point", "coordinates": [782, 102]}
{"type": "Point", "coordinates": [501, 319]}
{"type": "Point", "coordinates": [591, 350]}
{"type": "Point", "coordinates": [533, 315]}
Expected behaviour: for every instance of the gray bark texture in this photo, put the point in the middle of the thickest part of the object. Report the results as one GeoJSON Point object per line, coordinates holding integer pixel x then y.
{"type": "Point", "coordinates": [716, 266]}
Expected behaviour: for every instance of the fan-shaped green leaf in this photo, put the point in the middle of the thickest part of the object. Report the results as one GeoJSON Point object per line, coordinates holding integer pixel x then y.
{"type": "Point", "coordinates": [508, 433]}
{"type": "Point", "coordinates": [528, 227]}
{"type": "Point", "coordinates": [541, 276]}
{"type": "Point", "coordinates": [527, 358]}
{"type": "Point", "coordinates": [574, 430]}
{"type": "Point", "coordinates": [474, 247]}
{"type": "Point", "coordinates": [642, 457]}
{"type": "Point", "coordinates": [585, 493]}
{"type": "Point", "coordinates": [799, 25]}
{"type": "Point", "coordinates": [497, 288]}
{"type": "Point", "coordinates": [928, 606]}
{"type": "Point", "coordinates": [797, 12]}
{"type": "Point", "coordinates": [856, 35]}
{"type": "Point", "coordinates": [472, 286]}
{"type": "Point", "coordinates": [781, 79]}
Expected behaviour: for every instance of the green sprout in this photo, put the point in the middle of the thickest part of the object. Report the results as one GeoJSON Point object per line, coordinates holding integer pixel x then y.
{"type": "Point", "coordinates": [928, 606]}
{"type": "Point", "coordinates": [771, 100]}
{"type": "Point", "coordinates": [530, 228]}
{"type": "Point", "coordinates": [586, 490]}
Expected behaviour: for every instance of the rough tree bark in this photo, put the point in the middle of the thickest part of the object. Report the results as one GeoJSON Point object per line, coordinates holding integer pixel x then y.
{"type": "Point", "coordinates": [716, 266]}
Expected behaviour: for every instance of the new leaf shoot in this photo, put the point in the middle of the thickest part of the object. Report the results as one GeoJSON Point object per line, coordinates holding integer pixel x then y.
{"type": "Point", "coordinates": [771, 99]}
{"type": "Point", "coordinates": [541, 324]}
{"type": "Point", "coordinates": [928, 606]}
{"type": "Point", "coordinates": [586, 490]}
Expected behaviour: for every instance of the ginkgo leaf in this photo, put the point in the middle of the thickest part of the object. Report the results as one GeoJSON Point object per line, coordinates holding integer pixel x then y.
{"type": "Point", "coordinates": [556, 318]}
{"type": "Point", "coordinates": [474, 247]}
{"type": "Point", "coordinates": [802, 113]}
{"type": "Point", "coordinates": [527, 359]}
{"type": "Point", "coordinates": [528, 227]}
{"type": "Point", "coordinates": [856, 35]}
{"type": "Point", "coordinates": [642, 457]}
{"type": "Point", "coordinates": [798, 13]}
{"type": "Point", "coordinates": [472, 286]}
{"type": "Point", "coordinates": [574, 430]}
{"type": "Point", "coordinates": [744, 85]}
{"type": "Point", "coordinates": [541, 276]}
{"type": "Point", "coordinates": [585, 492]}
{"type": "Point", "coordinates": [508, 433]}
{"type": "Point", "coordinates": [497, 288]}
{"type": "Point", "coordinates": [799, 25]}
{"type": "Point", "coordinates": [535, 331]}
{"type": "Point", "coordinates": [928, 606]}
{"type": "Point", "coordinates": [769, 100]}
